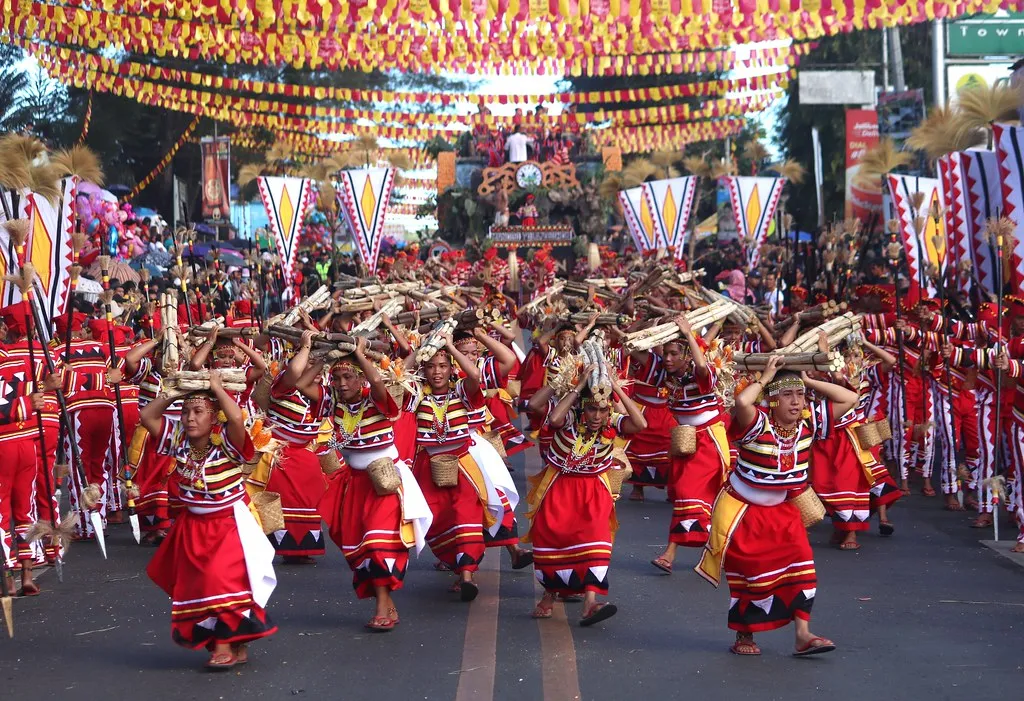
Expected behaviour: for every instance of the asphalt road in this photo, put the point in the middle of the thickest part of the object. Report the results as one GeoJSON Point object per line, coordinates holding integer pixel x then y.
{"type": "Point", "coordinates": [928, 614]}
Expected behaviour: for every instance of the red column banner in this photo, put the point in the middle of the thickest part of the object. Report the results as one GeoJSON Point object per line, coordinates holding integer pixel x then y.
{"type": "Point", "coordinates": [861, 136]}
{"type": "Point", "coordinates": [216, 178]}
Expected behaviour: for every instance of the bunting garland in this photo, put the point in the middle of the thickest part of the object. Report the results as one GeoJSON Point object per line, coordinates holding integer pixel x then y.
{"type": "Point", "coordinates": [754, 200]}
{"type": "Point", "coordinates": [921, 250]}
{"type": "Point", "coordinates": [671, 202]}
{"type": "Point", "coordinates": [434, 35]}
{"type": "Point", "coordinates": [639, 220]}
{"type": "Point", "coordinates": [287, 201]}
{"type": "Point", "coordinates": [363, 196]}
{"type": "Point", "coordinates": [164, 162]}
{"type": "Point", "coordinates": [86, 122]}
{"type": "Point", "coordinates": [646, 139]}
{"type": "Point", "coordinates": [1009, 143]}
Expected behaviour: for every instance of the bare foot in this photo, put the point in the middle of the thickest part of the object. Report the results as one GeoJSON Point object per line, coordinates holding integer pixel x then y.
{"type": "Point", "coordinates": [637, 494]}
{"type": "Point", "coordinates": [927, 489]}
{"type": "Point", "coordinates": [1018, 548]}
{"type": "Point", "coordinates": [952, 503]}
{"type": "Point", "coordinates": [983, 521]}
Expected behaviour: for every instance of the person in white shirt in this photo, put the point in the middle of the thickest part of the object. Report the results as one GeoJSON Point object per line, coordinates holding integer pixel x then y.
{"type": "Point", "coordinates": [516, 145]}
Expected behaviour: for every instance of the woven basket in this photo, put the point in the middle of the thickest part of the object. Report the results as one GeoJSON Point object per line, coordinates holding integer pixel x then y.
{"type": "Point", "coordinates": [329, 462]}
{"type": "Point", "coordinates": [812, 511]}
{"type": "Point", "coordinates": [268, 506]}
{"type": "Point", "coordinates": [248, 468]}
{"type": "Point", "coordinates": [384, 476]}
{"type": "Point", "coordinates": [444, 470]}
{"type": "Point", "coordinates": [884, 429]}
{"type": "Point", "coordinates": [616, 476]}
{"type": "Point", "coordinates": [867, 435]}
{"type": "Point", "coordinates": [514, 387]}
{"type": "Point", "coordinates": [684, 440]}
{"type": "Point", "coordinates": [494, 438]}
{"type": "Point", "coordinates": [261, 392]}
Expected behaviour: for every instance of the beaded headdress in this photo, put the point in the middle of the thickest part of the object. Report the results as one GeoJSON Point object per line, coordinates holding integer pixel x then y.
{"type": "Point", "coordinates": [198, 398]}
{"type": "Point", "coordinates": [778, 385]}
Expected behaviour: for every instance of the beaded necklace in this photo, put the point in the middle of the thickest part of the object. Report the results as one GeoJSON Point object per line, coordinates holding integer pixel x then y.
{"type": "Point", "coordinates": [194, 470]}
{"type": "Point", "coordinates": [350, 424]}
{"type": "Point", "coordinates": [440, 415]}
{"type": "Point", "coordinates": [787, 439]}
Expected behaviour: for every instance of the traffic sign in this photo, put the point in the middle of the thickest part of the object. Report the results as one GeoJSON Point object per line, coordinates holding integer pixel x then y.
{"type": "Point", "coordinates": [1001, 34]}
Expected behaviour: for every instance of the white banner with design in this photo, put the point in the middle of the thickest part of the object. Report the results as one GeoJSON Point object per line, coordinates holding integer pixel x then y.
{"type": "Point", "coordinates": [287, 201]}
{"type": "Point", "coordinates": [754, 200]}
{"type": "Point", "coordinates": [363, 197]}
{"type": "Point", "coordinates": [671, 203]}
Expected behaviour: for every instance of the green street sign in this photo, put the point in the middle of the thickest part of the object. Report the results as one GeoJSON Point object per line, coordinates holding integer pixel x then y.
{"type": "Point", "coordinates": [1001, 34]}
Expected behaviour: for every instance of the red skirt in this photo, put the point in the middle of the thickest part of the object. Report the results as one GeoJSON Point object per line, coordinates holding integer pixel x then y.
{"type": "Point", "coordinates": [150, 478]}
{"type": "Point", "coordinates": [456, 535]}
{"type": "Point", "coordinates": [532, 373]}
{"type": "Point", "coordinates": [367, 528]}
{"type": "Point", "coordinates": [838, 478]}
{"type": "Point", "coordinates": [572, 535]}
{"type": "Point", "coordinates": [201, 566]}
{"type": "Point", "coordinates": [297, 477]}
{"type": "Point", "coordinates": [770, 569]}
{"type": "Point", "coordinates": [648, 450]}
{"type": "Point", "coordinates": [694, 481]}
{"type": "Point", "coordinates": [511, 437]}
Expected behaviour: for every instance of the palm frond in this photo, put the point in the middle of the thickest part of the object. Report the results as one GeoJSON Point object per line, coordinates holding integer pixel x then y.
{"type": "Point", "coordinates": [400, 160]}
{"type": "Point", "coordinates": [722, 168]}
{"type": "Point", "coordinates": [934, 134]}
{"type": "Point", "coordinates": [610, 187]}
{"type": "Point", "coordinates": [664, 159]}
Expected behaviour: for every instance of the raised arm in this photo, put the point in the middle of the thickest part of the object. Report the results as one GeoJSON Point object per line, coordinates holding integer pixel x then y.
{"type": "Point", "coordinates": [232, 412]}
{"type": "Point", "coordinates": [503, 355]}
{"type": "Point", "coordinates": [259, 365]}
{"type": "Point", "coordinates": [201, 353]}
{"type": "Point", "coordinates": [700, 363]}
{"type": "Point", "coordinates": [557, 416]}
{"type": "Point", "coordinates": [472, 381]}
{"type": "Point", "coordinates": [297, 365]}
{"type": "Point", "coordinates": [134, 357]}
{"type": "Point", "coordinates": [635, 421]}
{"type": "Point", "coordinates": [378, 390]}
{"type": "Point", "coordinates": [744, 410]}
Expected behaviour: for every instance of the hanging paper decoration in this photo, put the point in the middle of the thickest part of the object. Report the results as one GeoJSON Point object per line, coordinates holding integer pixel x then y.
{"type": "Point", "coordinates": [286, 201]}
{"type": "Point", "coordinates": [754, 200]}
{"type": "Point", "coordinates": [927, 247]}
{"type": "Point", "coordinates": [671, 202]}
{"type": "Point", "coordinates": [1009, 141]}
{"type": "Point", "coordinates": [639, 219]}
{"type": "Point", "coordinates": [363, 196]}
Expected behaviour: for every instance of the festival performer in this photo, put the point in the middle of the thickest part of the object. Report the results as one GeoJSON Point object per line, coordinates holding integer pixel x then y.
{"type": "Point", "coordinates": [374, 510]}
{"type": "Point", "coordinates": [757, 533]}
{"type": "Point", "coordinates": [527, 212]}
{"type": "Point", "coordinates": [90, 406]}
{"type": "Point", "coordinates": [685, 381]}
{"type": "Point", "coordinates": [232, 353]}
{"type": "Point", "coordinates": [461, 501]}
{"type": "Point", "coordinates": [215, 564]}
{"type": "Point", "coordinates": [295, 420]}
{"type": "Point", "coordinates": [572, 512]}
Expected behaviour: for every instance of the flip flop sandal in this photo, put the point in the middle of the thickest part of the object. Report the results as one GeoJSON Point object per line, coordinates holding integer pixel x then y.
{"type": "Point", "coordinates": [221, 661]}
{"type": "Point", "coordinates": [599, 613]}
{"type": "Point", "coordinates": [542, 611]}
{"type": "Point", "coordinates": [523, 558]}
{"type": "Point", "coordinates": [811, 649]}
{"type": "Point", "coordinates": [746, 649]}
{"type": "Point", "coordinates": [636, 496]}
{"type": "Point", "coordinates": [455, 588]}
{"type": "Point", "coordinates": [662, 564]}
{"type": "Point", "coordinates": [393, 615]}
{"type": "Point", "coordinates": [849, 546]}
{"type": "Point", "coordinates": [241, 653]}
{"type": "Point", "coordinates": [381, 624]}
{"type": "Point", "coordinates": [468, 591]}
{"type": "Point", "coordinates": [442, 567]}
{"type": "Point", "coordinates": [928, 492]}
{"type": "Point", "coordinates": [30, 590]}
{"type": "Point", "coordinates": [979, 523]}
{"type": "Point", "coordinates": [885, 528]}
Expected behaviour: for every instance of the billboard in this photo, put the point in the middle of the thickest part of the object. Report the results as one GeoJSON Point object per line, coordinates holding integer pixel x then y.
{"type": "Point", "coordinates": [216, 178]}
{"type": "Point", "coordinates": [862, 203]}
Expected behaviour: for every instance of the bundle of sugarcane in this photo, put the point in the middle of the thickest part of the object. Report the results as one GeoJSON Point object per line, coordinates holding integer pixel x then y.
{"type": "Point", "coordinates": [537, 302]}
{"type": "Point", "coordinates": [427, 314]}
{"type": "Point", "coordinates": [376, 290]}
{"type": "Point", "coordinates": [435, 340]}
{"type": "Point", "coordinates": [609, 282]}
{"type": "Point", "coordinates": [814, 315]}
{"type": "Point", "coordinates": [233, 380]}
{"type": "Point", "coordinates": [318, 300]}
{"type": "Point", "coordinates": [650, 281]}
{"type": "Point", "coordinates": [837, 329]}
{"type": "Point", "coordinates": [205, 330]}
{"type": "Point", "coordinates": [599, 381]}
{"type": "Point", "coordinates": [353, 306]}
{"type": "Point", "coordinates": [742, 315]}
{"type": "Point", "coordinates": [826, 362]}
{"type": "Point", "coordinates": [691, 276]}
{"type": "Point", "coordinates": [389, 308]}
{"type": "Point", "coordinates": [663, 333]}
{"type": "Point", "coordinates": [169, 323]}
{"type": "Point", "coordinates": [602, 319]}
{"type": "Point", "coordinates": [346, 281]}
{"type": "Point", "coordinates": [580, 289]}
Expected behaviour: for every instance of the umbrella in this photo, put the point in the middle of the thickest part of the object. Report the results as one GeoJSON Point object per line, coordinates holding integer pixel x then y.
{"type": "Point", "coordinates": [800, 236]}
{"type": "Point", "coordinates": [228, 257]}
{"type": "Point", "coordinates": [155, 261]}
{"type": "Point", "coordinates": [119, 270]}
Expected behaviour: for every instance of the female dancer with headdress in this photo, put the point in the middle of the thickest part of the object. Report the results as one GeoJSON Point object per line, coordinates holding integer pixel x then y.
{"type": "Point", "coordinates": [443, 405]}
{"type": "Point", "coordinates": [215, 564]}
{"type": "Point", "coordinates": [373, 522]}
{"type": "Point", "coordinates": [572, 512]}
{"type": "Point", "coordinates": [757, 532]}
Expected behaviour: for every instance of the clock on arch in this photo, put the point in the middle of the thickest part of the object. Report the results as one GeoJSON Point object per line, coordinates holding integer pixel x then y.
{"type": "Point", "coordinates": [529, 175]}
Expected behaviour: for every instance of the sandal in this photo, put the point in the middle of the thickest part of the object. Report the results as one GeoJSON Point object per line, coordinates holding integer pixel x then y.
{"type": "Point", "coordinates": [983, 521]}
{"type": "Point", "coordinates": [442, 566]}
{"type": "Point", "coordinates": [745, 647]}
{"type": "Point", "coordinates": [221, 661]}
{"type": "Point", "coordinates": [815, 646]}
{"type": "Point", "coordinates": [30, 589]}
{"type": "Point", "coordinates": [885, 528]}
{"type": "Point", "coordinates": [928, 490]}
{"type": "Point", "coordinates": [636, 496]}
{"type": "Point", "coordinates": [381, 624]}
{"type": "Point", "coordinates": [598, 613]}
{"type": "Point", "coordinates": [849, 546]}
{"type": "Point", "coordinates": [662, 564]}
{"type": "Point", "coordinates": [542, 611]}
{"type": "Point", "coordinates": [455, 588]}
{"type": "Point", "coordinates": [468, 591]}
{"type": "Point", "coordinates": [523, 558]}
{"type": "Point", "coordinates": [241, 653]}
{"type": "Point", "coordinates": [393, 615]}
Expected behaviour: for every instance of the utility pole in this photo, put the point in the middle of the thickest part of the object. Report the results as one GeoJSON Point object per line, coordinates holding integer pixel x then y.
{"type": "Point", "coordinates": [885, 59]}
{"type": "Point", "coordinates": [896, 51]}
{"type": "Point", "coordinates": [939, 62]}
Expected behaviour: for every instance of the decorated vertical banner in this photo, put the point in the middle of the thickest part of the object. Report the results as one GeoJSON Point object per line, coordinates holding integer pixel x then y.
{"type": "Point", "coordinates": [216, 178]}
{"type": "Point", "coordinates": [754, 200]}
{"type": "Point", "coordinates": [286, 201]}
{"type": "Point", "coordinates": [861, 136]}
{"type": "Point", "coordinates": [924, 239]}
{"type": "Point", "coordinates": [639, 220]}
{"type": "Point", "coordinates": [13, 206]}
{"type": "Point", "coordinates": [982, 190]}
{"type": "Point", "coordinates": [1009, 141]}
{"type": "Point", "coordinates": [363, 196]}
{"type": "Point", "coordinates": [671, 203]}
